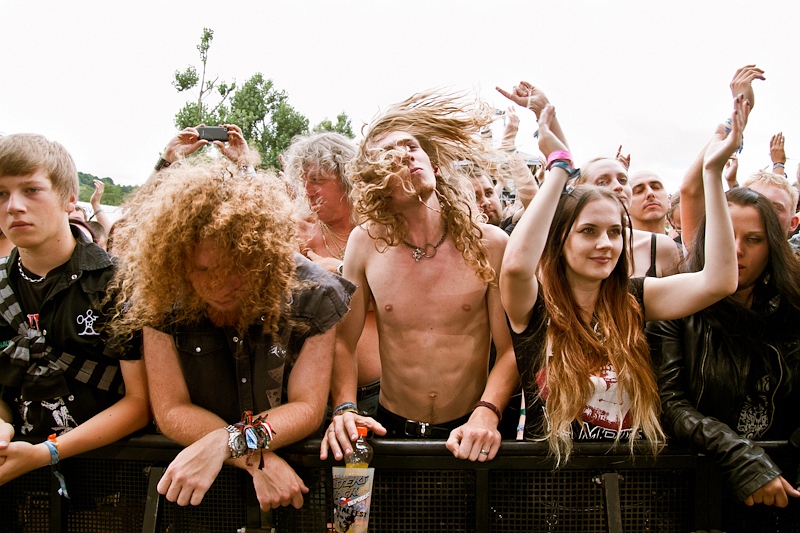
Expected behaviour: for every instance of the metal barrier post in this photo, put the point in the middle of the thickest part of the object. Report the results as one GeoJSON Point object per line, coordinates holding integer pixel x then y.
{"type": "Point", "coordinates": [482, 499]}
{"type": "Point", "coordinates": [58, 513]}
{"type": "Point", "coordinates": [613, 505]}
{"type": "Point", "coordinates": [152, 518]}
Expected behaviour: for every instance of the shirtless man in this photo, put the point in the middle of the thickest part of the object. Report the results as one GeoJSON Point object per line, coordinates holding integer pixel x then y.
{"type": "Point", "coordinates": [316, 164]}
{"type": "Point", "coordinates": [431, 271]}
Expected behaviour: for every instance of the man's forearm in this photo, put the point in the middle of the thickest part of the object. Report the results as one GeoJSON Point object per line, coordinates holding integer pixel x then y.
{"type": "Point", "coordinates": [188, 423]}
{"type": "Point", "coordinates": [344, 377]}
{"type": "Point", "coordinates": [503, 381]}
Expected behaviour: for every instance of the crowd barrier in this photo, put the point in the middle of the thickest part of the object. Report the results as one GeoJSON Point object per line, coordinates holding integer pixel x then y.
{"type": "Point", "coordinates": [419, 486]}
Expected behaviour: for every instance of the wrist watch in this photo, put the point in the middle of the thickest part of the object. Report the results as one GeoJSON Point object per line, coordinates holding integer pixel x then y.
{"type": "Point", "coordinates": [236, 442]}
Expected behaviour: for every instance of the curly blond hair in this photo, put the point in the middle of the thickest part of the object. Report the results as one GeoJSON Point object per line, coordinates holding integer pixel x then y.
{"type": "Point", "coordinates": [248, 218]}
{"type": "Point", "coordinates": [448, 130]}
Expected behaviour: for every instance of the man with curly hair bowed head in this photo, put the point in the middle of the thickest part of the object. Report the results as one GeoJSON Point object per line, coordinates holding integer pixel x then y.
{"type": "Point", "coordinates": [240, 328]}
{"type": "Point", "coordinates": [429, 263]}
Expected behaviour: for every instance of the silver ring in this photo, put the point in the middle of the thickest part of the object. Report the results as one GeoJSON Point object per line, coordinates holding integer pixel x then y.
{"type": "Point", "coordinates": [331, 431]}
{"type": "Point", "coordinates": [484, 452]}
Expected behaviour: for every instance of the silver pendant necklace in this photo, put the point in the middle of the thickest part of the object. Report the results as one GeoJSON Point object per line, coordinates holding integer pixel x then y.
{"type": "Point", "coordinates": [418, 252]}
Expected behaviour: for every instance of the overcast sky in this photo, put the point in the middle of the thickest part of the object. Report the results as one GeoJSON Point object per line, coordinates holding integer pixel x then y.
{"type": "Point", "coordinates": [652, 76]}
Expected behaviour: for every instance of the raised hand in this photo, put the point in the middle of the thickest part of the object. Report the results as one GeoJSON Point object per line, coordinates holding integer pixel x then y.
{"type": "Point", "coordinates": [723, 144]}
{"type": "Point", "coordinates": [624, 161]}
{"type": "Point", "coordinates": [548, 141]}
{"type": "Point", "coordinates": [236, 147]}
{"type": "Point", "coordinates": [510, 132]}
{"type": "Point", "coordinates": [731, 171]}
{"type": "Point", "coordinates": [742, 83]}
{"type": "Point", "coordinates": [185, 143]}
{"type": "Point", "coordinates": [526, 95]}
{"type": "Point", "coordinates": [777, 152]}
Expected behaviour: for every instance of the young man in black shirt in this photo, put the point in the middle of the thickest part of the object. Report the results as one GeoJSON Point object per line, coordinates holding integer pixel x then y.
{"type": "Point", "coordinates": [60, 381]}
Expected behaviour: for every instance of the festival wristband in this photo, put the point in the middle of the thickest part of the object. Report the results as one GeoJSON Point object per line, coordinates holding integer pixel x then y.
{"type": "Point", "coordinates": [52, 445]}
{"type": "Point", "coordinates": [571, 173]}
{"type": "Point", "coordinates": [346, 407]}
{"type": "Point", "coordinates": [558, 155]}
{"type": "Point", "coordinates": [492, 407]}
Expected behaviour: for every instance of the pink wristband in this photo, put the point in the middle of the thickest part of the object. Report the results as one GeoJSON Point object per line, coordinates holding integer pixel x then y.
{"type": "Point", "coordinates": [559, 155]}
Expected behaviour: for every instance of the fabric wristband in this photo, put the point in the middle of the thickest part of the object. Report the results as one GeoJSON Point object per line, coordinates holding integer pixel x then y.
{"type": "Point", "coordinates": [52, 445]}
{"type": "Point", "coordinates": [492, 407]}
{"type": "Point", "coordinates": [346, 407]}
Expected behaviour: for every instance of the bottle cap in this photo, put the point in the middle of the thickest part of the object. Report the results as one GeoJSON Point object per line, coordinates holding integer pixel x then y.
{"type": "Point", "coordinates": [362, 431]}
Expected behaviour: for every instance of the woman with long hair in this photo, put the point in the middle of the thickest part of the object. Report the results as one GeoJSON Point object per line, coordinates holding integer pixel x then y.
{"type": "Point", "coordinates": [577, 318]}
{"type": "Point", "coordinates": [730, 374]}
{"type": "Point", "coordinates": [652, 254]}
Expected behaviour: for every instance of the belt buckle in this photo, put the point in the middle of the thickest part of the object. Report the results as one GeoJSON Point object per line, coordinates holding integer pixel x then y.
{"type": "Point", "coordinates": [416, 429]}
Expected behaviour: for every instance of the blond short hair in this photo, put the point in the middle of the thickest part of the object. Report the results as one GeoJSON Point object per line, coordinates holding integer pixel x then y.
{"type": "Point", "coordinates": [22, 154]}
{"type": "Point", "coordinates": [775, 180]}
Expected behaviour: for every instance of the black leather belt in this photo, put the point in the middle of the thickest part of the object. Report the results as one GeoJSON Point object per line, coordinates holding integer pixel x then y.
{"type": "Point", "coordinates": [399, 427]}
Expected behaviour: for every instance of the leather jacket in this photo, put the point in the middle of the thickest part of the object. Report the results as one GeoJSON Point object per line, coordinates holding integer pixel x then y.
{"type": "Point", "coordinates": [702, 392]}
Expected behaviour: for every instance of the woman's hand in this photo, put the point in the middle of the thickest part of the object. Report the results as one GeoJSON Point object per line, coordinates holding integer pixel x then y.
{"type": "Point", "coordinates": [775, 492]}
{"type": "Point", "coordinates": [723, 144]}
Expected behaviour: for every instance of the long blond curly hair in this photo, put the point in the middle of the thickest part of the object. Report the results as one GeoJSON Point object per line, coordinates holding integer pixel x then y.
{"type": "Point", "coordinates": [249, 219]}
{"type": "Point", "coordinates": [447, 127]}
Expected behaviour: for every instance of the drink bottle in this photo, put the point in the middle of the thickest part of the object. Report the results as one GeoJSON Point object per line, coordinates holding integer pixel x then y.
{"type": "Point", "coordinates": [362, 451]}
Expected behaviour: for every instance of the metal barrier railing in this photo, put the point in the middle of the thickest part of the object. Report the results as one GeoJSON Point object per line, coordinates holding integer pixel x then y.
{"type": "Point", "coordinates": [418, 486]}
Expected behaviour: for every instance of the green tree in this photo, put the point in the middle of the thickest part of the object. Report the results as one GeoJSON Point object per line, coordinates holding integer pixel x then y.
{"type": "Point", "coordinates": [342, 126]}
{"type": "Point", "coordinates": [267, 119]}
{"type": "Point", "coordinates": [263, 112]}
{"type": "Point", "coordinates": [198, 112]}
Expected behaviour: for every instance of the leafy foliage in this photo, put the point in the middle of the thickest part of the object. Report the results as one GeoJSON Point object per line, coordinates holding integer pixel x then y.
{"type": "Point", "coordinates": [113, 195]}
{"type": "Point", "coordinates": [263, 112]}
{"type": "Point", "coordinates": [194, 113]}
{"type": "Point", "coordinates": [342, 126]}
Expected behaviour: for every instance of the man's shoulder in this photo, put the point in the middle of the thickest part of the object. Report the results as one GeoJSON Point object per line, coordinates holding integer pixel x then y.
{"type": "Point", "coordinates": [494, 235]}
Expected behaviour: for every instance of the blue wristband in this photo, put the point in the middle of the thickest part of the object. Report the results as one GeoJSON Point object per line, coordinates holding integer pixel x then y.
{"type": "Point", "coordinates": [345, 407]}
{"type": "Point", "coordinates": [53, 452]}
